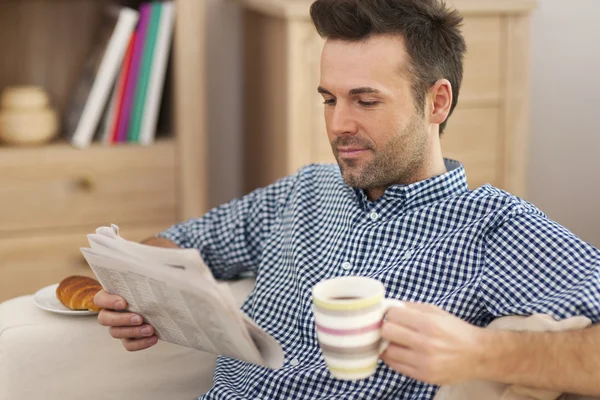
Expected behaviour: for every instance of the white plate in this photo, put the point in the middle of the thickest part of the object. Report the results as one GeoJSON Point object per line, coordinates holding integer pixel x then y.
{"type": "Point", "coordinates": [46, 299]}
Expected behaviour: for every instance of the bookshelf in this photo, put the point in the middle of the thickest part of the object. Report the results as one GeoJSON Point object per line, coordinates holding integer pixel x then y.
{"type": "Point", "coordinates": [53, 195]}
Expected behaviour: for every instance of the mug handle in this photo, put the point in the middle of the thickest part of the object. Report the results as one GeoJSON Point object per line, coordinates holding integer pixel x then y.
{"type": "Point", "coordinates": [387, 304]}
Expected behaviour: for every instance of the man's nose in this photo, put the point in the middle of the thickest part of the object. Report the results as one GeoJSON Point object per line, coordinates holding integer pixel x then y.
{"type": "Point", "coordinates": [342, 121]}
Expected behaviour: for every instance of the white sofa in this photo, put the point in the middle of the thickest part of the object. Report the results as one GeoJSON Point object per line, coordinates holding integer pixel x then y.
{"type": "Point", "coordinates": [49, 356]}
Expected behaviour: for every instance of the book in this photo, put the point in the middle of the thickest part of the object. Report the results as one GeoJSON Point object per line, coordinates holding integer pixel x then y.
{"type": "Point", "coordinates": [133, 73]}
{"type": "Point", "coordinates": [125, 75]}
{"type": "Point", "coordinates": [91, 94]}
{"type": "Point", "coordinates": [156, 82]}
{"type": "Point", "coordinates": [176, 293]}
{"type": "Point", "coordinates": [109, 125]}
{"type": "Point", "coordinates": [141, 89]}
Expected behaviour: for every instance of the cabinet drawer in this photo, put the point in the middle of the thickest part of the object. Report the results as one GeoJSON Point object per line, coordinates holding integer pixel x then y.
{"type": "Point", "coordinates": [473, 138]}
{"type": "Point", "coordinates": [30, 262]}
{"type": "Point", "coordinates": [60, 186]}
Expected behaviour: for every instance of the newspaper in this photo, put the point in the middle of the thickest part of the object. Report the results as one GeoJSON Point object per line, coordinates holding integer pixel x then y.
{"type": "Point", "coordinates": [176, 293]}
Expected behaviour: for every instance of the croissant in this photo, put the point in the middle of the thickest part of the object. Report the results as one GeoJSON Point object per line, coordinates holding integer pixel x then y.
{"type": "Point", "coordinates": [77, 292]}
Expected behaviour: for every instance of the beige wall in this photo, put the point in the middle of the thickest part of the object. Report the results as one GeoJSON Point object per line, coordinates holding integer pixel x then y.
{"type": "Point", "coordinates": [224, 50]}
{"type": "Point", "coordinates": [564, 166]}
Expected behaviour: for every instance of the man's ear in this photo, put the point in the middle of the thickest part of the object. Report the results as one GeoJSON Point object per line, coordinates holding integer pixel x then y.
{"type": "Point", "coordinates": [440, 101]}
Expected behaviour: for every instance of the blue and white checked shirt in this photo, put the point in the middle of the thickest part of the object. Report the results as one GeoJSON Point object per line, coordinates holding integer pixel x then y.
{"type": "Point", "coordinates": [478, 254]}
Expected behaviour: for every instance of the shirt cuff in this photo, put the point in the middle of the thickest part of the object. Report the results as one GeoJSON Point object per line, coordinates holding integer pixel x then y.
{"type": "Point", "coordinates": [176, 235]}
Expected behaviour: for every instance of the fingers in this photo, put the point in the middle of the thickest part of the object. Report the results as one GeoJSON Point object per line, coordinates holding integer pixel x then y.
{"type": "Point", "coordinates": [131, 332]}
{"type": "Point", "coordinates": [108, 317]}
{"type": "Point", "coordinates": [129, 327]}
{"type": "Point", "coordinates": [402, 368]}
{"type": "Point", "coordinates": [106, 300]}
{"type": "Point", "coordinates": [400, 354]}
{"type": "Point", "coordinates": [399, 335]}
{"type": "Point", "coordinates": [405, 317]}
{"type": "Point", "coordinates": [414, 316]}
{"type": "Point", "coordinates": [402, 360]}
{"type": "Point", "coordinates": [425, 308]}
{"type": "Point", "coordinates": [139, 344]}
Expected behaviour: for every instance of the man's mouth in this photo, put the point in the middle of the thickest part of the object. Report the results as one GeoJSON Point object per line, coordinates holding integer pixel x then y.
{"type": "Point", "coordinates": [351, 152]}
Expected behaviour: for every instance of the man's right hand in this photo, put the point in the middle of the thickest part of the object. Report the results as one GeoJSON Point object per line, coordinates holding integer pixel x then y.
{"type": "Point", "coordinates": [128, 327]}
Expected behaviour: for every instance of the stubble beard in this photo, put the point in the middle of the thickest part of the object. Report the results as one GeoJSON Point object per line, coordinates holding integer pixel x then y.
{"type": "Point", "coordinates": [398, 163]}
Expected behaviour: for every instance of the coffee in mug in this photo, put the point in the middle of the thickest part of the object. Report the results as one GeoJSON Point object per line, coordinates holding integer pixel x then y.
{"type": "Point", "coordinates": [349, 315]}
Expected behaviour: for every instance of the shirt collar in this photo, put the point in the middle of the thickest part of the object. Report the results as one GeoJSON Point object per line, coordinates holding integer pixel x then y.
{"type": "Point", "coordinates": [421, 193]}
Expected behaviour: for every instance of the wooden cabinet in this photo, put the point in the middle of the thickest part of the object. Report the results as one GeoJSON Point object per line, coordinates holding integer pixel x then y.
{"type": "Point", "coordinates": [284, 126]}
{"type": "Point", "coordinates": [55, 187]}
{"type": "Point", "coordinates": [52, 196]}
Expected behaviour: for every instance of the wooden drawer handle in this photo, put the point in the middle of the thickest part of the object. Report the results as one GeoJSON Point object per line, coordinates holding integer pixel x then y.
{"type": "Point", "coordinates": [84, 183]}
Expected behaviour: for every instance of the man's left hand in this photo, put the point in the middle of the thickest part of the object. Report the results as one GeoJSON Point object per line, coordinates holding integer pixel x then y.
{"type": "Point", "coordinates": [432, 345]}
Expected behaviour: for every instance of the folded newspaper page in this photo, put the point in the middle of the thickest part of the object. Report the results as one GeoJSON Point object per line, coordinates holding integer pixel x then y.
{"type": "Point", "coordinates": [176, 293]}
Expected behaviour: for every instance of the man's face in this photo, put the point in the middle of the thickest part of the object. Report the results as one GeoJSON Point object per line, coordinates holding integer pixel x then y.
{"type": "Point", "coordinates": [376, 133]}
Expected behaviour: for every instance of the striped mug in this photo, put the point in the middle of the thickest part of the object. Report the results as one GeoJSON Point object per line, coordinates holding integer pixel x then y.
{"type": "Point", "coordinates": [349, 313]}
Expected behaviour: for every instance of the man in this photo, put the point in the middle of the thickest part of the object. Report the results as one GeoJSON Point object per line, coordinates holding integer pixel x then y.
{"type": "Point", "coordinates": [395, 210]}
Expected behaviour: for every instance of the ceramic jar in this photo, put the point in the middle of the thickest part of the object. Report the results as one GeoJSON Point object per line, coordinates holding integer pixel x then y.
{"type": "Point", "coordinates": [26, 117]}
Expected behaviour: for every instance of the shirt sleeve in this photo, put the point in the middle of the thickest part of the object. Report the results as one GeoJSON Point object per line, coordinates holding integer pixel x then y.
{"type": "Point", "coordinates": [534, 265]}
{"type": "Point", "coordinates": [230, 237]}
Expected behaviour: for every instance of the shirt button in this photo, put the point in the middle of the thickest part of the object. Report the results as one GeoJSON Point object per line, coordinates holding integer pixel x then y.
{"type": "Point", "coordinates": [407, 255]}
{"type": "Point", "coordinates": [294, 362]}
{"type": "Point", "coordinates": [346, 266]}
{"type": "Point", "coordinates": [374, 216]}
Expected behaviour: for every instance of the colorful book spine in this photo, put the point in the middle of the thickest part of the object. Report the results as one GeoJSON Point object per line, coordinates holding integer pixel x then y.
{"type": "Point", "coordinates": [120, 92]}
{"type": "Point", "coordinates": [134, 72]}
{"type": "Point", "coordinates": [94, 88]}
{"type": "Point", "coordinates": [133, 132]}
{"type": "Point", "coordinates": [157, 74]}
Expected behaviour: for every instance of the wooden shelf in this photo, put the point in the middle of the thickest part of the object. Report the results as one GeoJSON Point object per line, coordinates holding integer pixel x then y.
{"type": "Point", "coordinates": [59, 148]}
{"type": "Point", "coordinates": [46, 43]}
{"type": "Point", "coordinates": [53, 195]}
{"type": "Point", "coordinates": [299, 9]}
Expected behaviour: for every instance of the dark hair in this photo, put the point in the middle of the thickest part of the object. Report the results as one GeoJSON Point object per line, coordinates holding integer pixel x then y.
{"type": "Point", "coordinates": [431, 32]}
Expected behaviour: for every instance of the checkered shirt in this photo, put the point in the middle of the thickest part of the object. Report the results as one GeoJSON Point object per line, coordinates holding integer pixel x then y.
{"type": "Point", "coordinates": [478, 254]}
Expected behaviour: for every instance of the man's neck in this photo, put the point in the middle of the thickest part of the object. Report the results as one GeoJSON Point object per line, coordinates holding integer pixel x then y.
{"type": "Point", "coordinates": [434, 168]}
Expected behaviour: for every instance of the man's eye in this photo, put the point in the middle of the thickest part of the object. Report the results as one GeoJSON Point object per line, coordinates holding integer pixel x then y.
{"type": "Point", "coordinates": [368, 103]}
{"type": "Point", "coordinates": [330, 102]}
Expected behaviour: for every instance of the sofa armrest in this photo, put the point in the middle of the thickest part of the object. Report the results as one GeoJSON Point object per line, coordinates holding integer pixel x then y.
{"type": "Point", "coordinates": [50, 356]}
{"type": "Point", "coordinates": [475, 390]}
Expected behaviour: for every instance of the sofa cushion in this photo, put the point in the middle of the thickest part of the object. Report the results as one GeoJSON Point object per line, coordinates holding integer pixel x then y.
{"type": "Point", "coordinates": [475, 390]}
{"type": "Point", "coordinates": [50, 356]}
